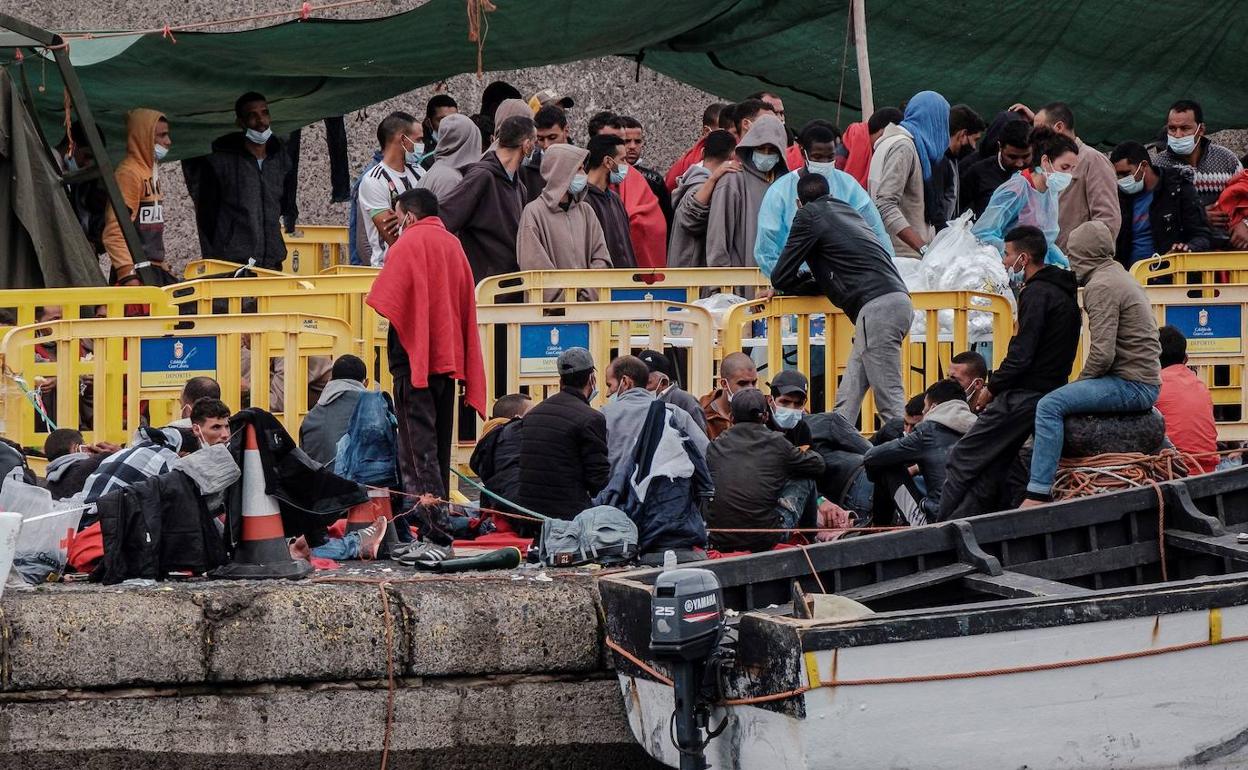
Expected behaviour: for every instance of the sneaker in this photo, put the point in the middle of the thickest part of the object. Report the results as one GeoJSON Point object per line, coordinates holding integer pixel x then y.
{"type": "Point", "coordinates": [425, 555]}
{"type": "Point", "coordinates": [371, 537]}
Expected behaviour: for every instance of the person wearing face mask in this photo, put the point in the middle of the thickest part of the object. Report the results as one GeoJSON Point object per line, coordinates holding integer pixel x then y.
{"type": "Point", "coordinates": [790, 390]}
{"type": "Point", "coordinates": [239, 187]}
{"type": "Point", "coordinates": [1122, 371]}
{"type": "Point", "coordinates": [775, 216]}
{"type": "Point", "coordinates": [628, 405]}
{"type": "Point", "coordinates": [438, 108]}
{"type": "Point", "coordinates": [459, 146]}
{"type": "Point", "coordinates": [662, 384]}
{"type": "Point", "coordinates": [752, 467]}
{"type": "Point", "coordinates": [732, 224]}
{"type": "Point", "coordinates": [942, 191]}
{"type": "Point", "coordinates": [736, 372]}
{"type": "Point", "coordinates": [559, 230]}
{"type": "Point", "coordinates": [147, 142]}
{"type": "Point", "coordinates": [484, 210]}
{"type": "Point", "coordinates": [1030, 197]}
{"type": "Point", "coordinates": [1208, 165]}
{"type": "Point", "coordinates": [563, 443]}
{"type": "Point", "coordinates": [399, 171]}
{"type": "Point", "coordinates": [1038, 361]}
{"type": "Point", "coordinates": [903, 161]}
{"type": "Point", "coordinates": [427, 292]}
{"type": "Point", "coordinates": [982, 178]}
{"type": "Point", "coordinates": [194, 389]}
{"type": "Point", "coordinates": [604, 166]}
{"type": "Point", "coordinates": [1160, 210]}
{"type": "Point", "coordinates": [1092, 194]}
{"type": "Point", "coordinates": [970, 370]}
{"type": "Point", "coordinates": [946, 418]}
{"type": "Point", "coordinates": [647, 218]}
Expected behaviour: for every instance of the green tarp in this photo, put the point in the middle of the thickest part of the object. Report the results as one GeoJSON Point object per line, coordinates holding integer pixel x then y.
{"type": "Point", "coordinates": [1118, 64]}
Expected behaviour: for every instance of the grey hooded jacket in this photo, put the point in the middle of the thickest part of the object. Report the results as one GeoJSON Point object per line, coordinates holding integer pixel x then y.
{"type": "Point", "coordinates": [732, 224]}
{"type": "Point", "coordinates": [928, 447]}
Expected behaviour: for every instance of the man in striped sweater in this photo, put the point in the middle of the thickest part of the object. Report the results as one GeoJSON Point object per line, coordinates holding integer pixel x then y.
{"type": "Point", "coordinates": [1209, 165]}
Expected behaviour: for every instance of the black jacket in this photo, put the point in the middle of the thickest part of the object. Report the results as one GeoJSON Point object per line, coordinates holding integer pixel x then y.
{"type": "Point", "coordinates": [563, 455]}
{"type": "Point", "coordinates": [496, 461]}
{"type": "Point", "coordinates": [928, 447]}
{"type": "Point", "coordinates": [484, 212]}
{"type": "Point", "coordinates": [979, 181]}
{"type": "Point", "coordinates": [849, 265]}
{"type": "Point", "coordinates": [1043, 349]}
{"type": "Point", "coordinates": [842, 448]}
{"type": "Point", "coordinates": [750, 463]}
{"type": "Point", "coordinates": [159, 526]}
{"type": "Point", "coordinates": [238, 203]}
{"type": "Point", "coordinates": [1175, 216]}
{"type": "Point", "coordinates": [310, 497]}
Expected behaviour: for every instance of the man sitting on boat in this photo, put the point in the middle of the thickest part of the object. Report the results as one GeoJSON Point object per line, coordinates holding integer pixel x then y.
{"type": "Point", "coordinates": [946, 418]}
{"type": "Point", "coordinates": [1122, 372]}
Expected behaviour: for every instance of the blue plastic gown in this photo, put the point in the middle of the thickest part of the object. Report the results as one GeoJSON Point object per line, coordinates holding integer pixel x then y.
{"type": "Point", "coordinates": [775, 217]}
{"type": "Point", "coordinates": [1015, 203]}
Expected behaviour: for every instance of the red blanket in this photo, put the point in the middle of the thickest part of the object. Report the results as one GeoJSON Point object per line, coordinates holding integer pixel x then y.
{"type": "Point", "coordinates": [678, 169]}
{"type": "Point", "coordinates": [647, 228]}
{"type": "Point", "coordinates": [427, 294]}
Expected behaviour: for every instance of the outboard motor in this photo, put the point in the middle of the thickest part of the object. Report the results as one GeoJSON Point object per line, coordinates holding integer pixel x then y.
{"type": "Point", "coordinates": [687, 620]}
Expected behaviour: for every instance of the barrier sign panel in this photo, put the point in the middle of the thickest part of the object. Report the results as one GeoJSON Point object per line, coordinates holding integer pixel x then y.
{"type": "Point", "coordinates": [541, 344]}
{"type": "Point", "coordinates": [645, 295]}
{"type": "Point", "coordinates": [168, 362]}
{"type": "Point", "coordinates": [1211, 330]}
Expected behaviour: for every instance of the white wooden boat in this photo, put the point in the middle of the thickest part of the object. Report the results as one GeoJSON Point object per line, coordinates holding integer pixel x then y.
{"type": "Point", "coordinates": [1044, 638]}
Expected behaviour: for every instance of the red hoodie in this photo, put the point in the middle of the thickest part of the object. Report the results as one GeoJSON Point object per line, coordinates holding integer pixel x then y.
{"type": "Point", "coordinates": [647, 228]}
{"type": "Point", "coordinates": [427, 293]}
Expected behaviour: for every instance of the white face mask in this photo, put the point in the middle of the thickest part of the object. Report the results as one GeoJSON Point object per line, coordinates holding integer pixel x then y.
{"type": "Point", "coordinates": [161, 152]}
{"type": "Point", "coordinates": [823, 167]}
{"type": "Point", "coordinates": [414, 155]}
{"type": "Point", "coordinates": [1181, 145]}
{"type": "Point", "coordinates": [1059, 180]}
{"type": "Point", "coordinates": [1129, 184]}
{"type": "Point", "coordinates": [1015, 271]}
{"type": "Point", "coordinates": [786, 417]}
{"type": "Point", "coordinates": [764, 162]}
{"type": "Point", "coordinates": [259, 137]}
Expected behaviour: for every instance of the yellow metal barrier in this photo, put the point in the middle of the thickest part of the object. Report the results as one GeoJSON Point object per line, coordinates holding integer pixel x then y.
{"type": "Point", "coordinates": [17, 306]}
{"type": "Point", "coordinates": [674, 285]}
{"type": "Point", "coordinates": [1186, 269]}
{"type": "Point", "coordinates": [792, 324]}
{"type": "Point", "coordinates": [313, 248]}
{"type": "Point", "coordinates": [127, 369]}
{"type": "Point", "coordinates": [335, 296]}
{"type": "Point", "coordinates": [199, 268]}
{"type": "Point", "coordinates": [351, 270]}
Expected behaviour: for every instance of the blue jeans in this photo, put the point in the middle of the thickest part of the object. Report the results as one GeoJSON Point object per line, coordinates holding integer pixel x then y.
{"type": "Point", "coordinates": [1099, 395]}
{"type": "Point", "coordinates": [348, 547]}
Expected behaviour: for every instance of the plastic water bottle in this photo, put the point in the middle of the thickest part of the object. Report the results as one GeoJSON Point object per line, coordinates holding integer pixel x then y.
{"type": "Point", "coordinates": [669, 559]}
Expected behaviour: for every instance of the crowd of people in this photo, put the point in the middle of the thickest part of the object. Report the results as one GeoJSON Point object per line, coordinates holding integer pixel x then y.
{"type": "Point", "coordinates": [819, 211]}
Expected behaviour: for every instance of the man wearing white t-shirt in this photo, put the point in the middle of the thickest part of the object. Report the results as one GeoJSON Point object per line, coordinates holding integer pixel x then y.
{"type": "Point", "coordinates": [401, 138]}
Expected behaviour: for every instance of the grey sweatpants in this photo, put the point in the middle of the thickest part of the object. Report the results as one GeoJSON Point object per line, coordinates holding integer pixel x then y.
{"type": "Point", "coordinates": [875, 359]}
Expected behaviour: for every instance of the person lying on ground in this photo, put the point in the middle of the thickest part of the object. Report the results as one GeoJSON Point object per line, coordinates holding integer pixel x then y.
{"type": "Point", "coordinates": [71, 461]}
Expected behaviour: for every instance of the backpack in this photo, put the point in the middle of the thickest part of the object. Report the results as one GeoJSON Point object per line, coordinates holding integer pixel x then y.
{"type": "Point", "coordinates": [602, 534]}
{"type": "Point", "coordinates": [367, 453]}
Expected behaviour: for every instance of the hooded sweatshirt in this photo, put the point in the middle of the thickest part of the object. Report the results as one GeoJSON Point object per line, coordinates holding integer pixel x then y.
{"type": "Point", "coordinates": [484, 211]}
{"type": "Point", "coordinates": [1043, 348]}
{"type": "Point", "coordinates": [139, 184]}
{"type": "Point", "coordinates": [927, 446]}
{"type": "Point", "coordinates": [1121, 327]}
{"type": "Point", "coordinates": [732, 226]}
{"type": "Point", "coordinates": [459, 146]}
{"type": "Point", "coordinates": [561, 236]}
{"type": "Point", "coordinates": [688, 244]}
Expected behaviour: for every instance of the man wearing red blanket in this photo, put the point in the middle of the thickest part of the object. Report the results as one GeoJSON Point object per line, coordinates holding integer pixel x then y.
{"type": "Point", "coordinates": [427, 294]}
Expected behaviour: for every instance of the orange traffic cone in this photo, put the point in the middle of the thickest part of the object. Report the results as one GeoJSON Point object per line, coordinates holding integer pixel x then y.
{"type": "Point", "coordinates": [262, 552]}
{"type": "Point", "coordinates": [362, 515]}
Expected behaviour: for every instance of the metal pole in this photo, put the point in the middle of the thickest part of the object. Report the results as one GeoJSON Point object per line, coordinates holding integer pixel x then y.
{"type": "Point", "coordinates": [864, 63]}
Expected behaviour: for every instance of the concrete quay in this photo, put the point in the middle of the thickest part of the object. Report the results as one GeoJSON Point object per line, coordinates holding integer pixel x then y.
{"type": "Point", "coordinates": [488, 671]}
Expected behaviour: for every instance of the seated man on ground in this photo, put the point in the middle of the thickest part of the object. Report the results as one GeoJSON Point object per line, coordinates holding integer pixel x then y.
{"type": "Point", "coordinates": [496, 457]}
{"type": "Point", "coordinates": [627, 377]}
{"type": "Point", "coordinates": [1122, 372]}
{"type": "Point", "coordinates": [195, 389]}
{"type": "Point", "coordinates": [736, 372]}
{"type": "Point", "coordinates": [1185, 403]}
{"type": "Point", "coordinates": [790, 390]}
{"type": "Point", "coordinates": [946, 418]}
{"type": "Point", "coordinates": [751, 465]}
{"type": "Point", "coordinates": [563, 445]}
{"type": "Point", "coordinates": [152, 455]}
{"type": "Point", "coordinates": [327, 422]}
{"type": "Point", "coordinates": [970, 370]}
{"type": "Point", "coordinates": [210, 421]}
{"type": "Point", "coordinates": [71, 462]}
{"type": "Point", "coordinates": [663, 385]}
{"type": "Point", "coordinates": [900, 426]}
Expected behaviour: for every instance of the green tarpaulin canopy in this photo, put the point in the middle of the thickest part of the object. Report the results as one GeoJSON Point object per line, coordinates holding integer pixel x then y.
{"type": "Point", "coordinates": [1118, 64]}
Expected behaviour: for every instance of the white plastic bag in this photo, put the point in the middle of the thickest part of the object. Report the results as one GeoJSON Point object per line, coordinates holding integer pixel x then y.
{"type": "Point", "coordinates": [718, 306]}
{"type": "Point", "coordinates": [958, 261]}
{"type": "Point", "coordinates": [48, 527]}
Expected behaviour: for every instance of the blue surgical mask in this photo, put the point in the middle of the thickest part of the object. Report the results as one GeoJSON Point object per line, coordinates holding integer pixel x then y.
{"type": "Point", "coordinates": [786, 417]}
{"type": "Point", "coordinates": [1059, 180]}
{"type": "Point", "coordinates": [1130, 185]}
{"type": "Point", "coordinates": [617, 176]}
{"type": "Point", "coordinates": [1181, 145]}
{"type": "Point", "coordinates": [613, 397]}
{"type": "Point", "coordinates": [436, 135]}
{"type": "Point", "coordinates": [1016, 273]}
{"type": "Point", "coordinates": [593, 394]}
{"type": "Point", "coordinates": [577, 184]}
{"type": "Point", "coordinates": [259, 137]}
{"type": "Point", "coordinates": [824, 167]}
{"type": "Point", "coordinates": [161, 152]}
{"type": "Point", "coordinates": [415, 155]}
{"type": "Point", "coordinates": [764, 162]}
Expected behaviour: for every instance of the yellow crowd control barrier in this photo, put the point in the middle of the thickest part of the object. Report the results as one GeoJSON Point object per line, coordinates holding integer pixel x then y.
{"type": "Point", "coordinates": [680, 284]}
{"type": "Point", "coordinates": [335, 296]}
{"type": "Point", "coordinates": [351, 270]}
{"type": "Point", "coordinates": [792, 335]}
{"type": "Point", "coordinates": [313, 248]}
{"type": "Point", "coordinates": [200, 268]}
{"type": "Point", "coordinates": [18, 306]}
{"type": "Point", "coordinates": [124, 370]}
{"type": "Point", "coordinates": [1185, 269]}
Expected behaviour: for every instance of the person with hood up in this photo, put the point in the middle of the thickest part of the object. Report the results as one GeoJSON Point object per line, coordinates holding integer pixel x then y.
{"type": "Point", "coordinates": [605, 166]}
{"type": "Point", "coordinates": [732, 225]}
{"type": "Point", "coordinates": [691, 202]}
{"type": "Point", "coordinates": [775, 217]}
{"type": "Point", "coordinates": [559, 230]}
{"type": "Point", "coordinates": [1122, 372]}
{"type": "Point", "coordinates": [946, 418]}
{"type": "Point", "coordinates": [427, 293]}
{"type": "Point", "coordinates": [1038, 361]}
{"type": "Point", "coordinates": [238, 189]}
{"type": "Point", "coordinates": [459, 146]}
{"type": "Point", "coordinates": [484, 210]}
{"type": "Point", "coordinates": [328, 420]}
{"type": "Point", "coordinates": [901, 162]}
{"type": "Point", "coordinates": [147, 142]}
